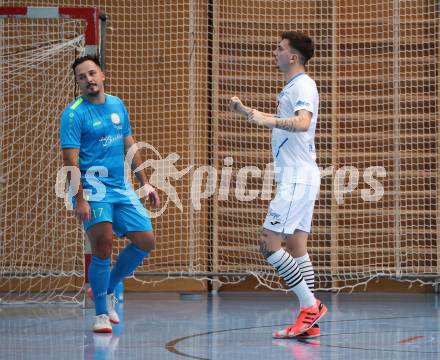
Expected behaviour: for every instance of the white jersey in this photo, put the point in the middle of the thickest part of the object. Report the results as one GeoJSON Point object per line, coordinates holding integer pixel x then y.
{"type": "Point", "coordinates": [294, 153]}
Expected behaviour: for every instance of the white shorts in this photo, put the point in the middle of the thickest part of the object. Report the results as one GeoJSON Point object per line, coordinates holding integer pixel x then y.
{"type": "Point", "coordinates": [292, 208]}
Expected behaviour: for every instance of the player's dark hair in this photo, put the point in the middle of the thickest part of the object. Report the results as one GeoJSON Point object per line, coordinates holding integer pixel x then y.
{"type": "Point", "coordinates": [301, 43]}
{"type": "Point", "coordinates": [84, 58]}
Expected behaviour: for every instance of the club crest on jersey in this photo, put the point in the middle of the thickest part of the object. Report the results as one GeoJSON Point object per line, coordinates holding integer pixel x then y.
{"type": "Point", "coordinates": [115, 118]}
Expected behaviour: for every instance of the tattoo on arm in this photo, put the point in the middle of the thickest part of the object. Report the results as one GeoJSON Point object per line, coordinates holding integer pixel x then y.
{"type": "Point", "coordinates": [286, 124]}
{"type": "Point", "coordinates": [264, 249]}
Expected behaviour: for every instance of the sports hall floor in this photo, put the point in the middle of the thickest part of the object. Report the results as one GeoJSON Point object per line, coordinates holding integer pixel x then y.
{"type": "Point", "coordinates": [227, 326]}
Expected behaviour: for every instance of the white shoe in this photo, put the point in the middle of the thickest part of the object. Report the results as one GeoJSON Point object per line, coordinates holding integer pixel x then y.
{"type": "Point", "coordinates": [112, 314]}
{"type": "Point", "coordinates": [102, 324]}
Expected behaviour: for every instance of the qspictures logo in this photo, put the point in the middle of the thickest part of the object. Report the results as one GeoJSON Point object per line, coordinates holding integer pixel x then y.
{"type": "Point", "coordinates": [206, 181]}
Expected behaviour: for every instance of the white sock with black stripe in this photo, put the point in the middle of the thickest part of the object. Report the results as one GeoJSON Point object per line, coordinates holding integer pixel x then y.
{"type": "Point", "coordinates": [289, 270]}
{"type": "Point", "coordinates": [306, 268]}
{"type": "Point", "coordinates": [307, 272]}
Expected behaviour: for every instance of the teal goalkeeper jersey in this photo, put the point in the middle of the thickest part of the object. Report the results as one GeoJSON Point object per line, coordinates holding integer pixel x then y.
{"type": "Point", "coordinates": [98, 131]}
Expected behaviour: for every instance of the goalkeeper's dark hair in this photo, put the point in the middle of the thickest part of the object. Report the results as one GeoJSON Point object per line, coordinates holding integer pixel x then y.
{"type": "Point", "coordinates": [300, 42]}
{"type": "Point", "coordinates": [84, 58]}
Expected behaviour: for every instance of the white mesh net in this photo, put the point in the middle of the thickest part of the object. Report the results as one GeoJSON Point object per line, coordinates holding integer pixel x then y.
{"type": "Point", "coordinates": [376, 67]}
{"type": "Point", "coordinates": [176, 66]}
{"type": "Point", "coordinates": [41, 248]}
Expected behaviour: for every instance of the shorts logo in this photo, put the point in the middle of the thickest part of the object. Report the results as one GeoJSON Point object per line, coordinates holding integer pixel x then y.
{"type": "Point", "coordinates": [115, 118]}
{"type": "Point", "coordinates": [275, 216]}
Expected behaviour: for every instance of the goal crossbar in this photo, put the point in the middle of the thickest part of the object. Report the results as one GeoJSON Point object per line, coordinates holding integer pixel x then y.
{"type": "Point", "coordinates": [90, 15]}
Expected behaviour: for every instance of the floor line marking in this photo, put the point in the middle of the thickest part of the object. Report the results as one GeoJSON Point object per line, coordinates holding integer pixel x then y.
{"type": "Point", "coordinates": [410, 339]}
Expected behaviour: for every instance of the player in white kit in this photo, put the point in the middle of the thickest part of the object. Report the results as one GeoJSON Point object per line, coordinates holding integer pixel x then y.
{"type": "Point", "coordinates": [297, 179]}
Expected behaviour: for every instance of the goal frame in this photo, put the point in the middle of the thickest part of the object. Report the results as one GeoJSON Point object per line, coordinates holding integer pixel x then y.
{"type": "Point", "coordinates": [94, 37]}
{"type": "Point", "coordinates": [92, 17]}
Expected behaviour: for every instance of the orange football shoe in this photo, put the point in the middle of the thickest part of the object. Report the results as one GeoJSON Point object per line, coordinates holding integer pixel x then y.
{"type": "Point", "coordinates": [313, 332]}
{"type": "Point", "coordinates": [308, 317]}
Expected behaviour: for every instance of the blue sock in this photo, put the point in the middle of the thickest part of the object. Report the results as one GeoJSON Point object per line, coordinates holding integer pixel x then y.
{"type": "Point", "coordinates": [99, 275]}
{"type": "Point", "coordinates": [128, 260]}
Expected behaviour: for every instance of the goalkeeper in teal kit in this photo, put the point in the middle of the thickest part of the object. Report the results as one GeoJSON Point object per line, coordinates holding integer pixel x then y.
{"type": "Point", "coordinates": [95, 136]}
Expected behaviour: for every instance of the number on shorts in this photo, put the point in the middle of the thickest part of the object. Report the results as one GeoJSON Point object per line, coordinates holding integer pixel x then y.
{"type": "Point", "coordinates": [98, 211]}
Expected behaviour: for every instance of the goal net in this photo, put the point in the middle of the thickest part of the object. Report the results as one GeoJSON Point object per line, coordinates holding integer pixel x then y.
{"type": "Point", "coordinates": [175, 65]}
{"type": "Point", "coordinates": [41, 246]}
{"type": "Point", "coordinates": [377, 71]}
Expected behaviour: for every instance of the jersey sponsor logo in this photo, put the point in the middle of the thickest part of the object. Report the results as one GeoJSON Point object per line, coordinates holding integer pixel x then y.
{"type": "Point", "coordinates": [108, 140]}
{"type": "Point", "coordinates": [115, 118]}
{"type": "Point", "coordinates": [302, 103]}
{"type": "Point", "coordinates": [274, 222]}
{"type": "Point", "coordinates": [97, 123]}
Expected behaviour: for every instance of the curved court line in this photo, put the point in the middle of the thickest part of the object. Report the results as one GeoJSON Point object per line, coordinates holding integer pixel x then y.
{"type": "Point", "coordinates": [171, 345]}
{"type": "Point", "coordinates": [405, 341]}
{"type": "Point", "coordinates": [313, 342]}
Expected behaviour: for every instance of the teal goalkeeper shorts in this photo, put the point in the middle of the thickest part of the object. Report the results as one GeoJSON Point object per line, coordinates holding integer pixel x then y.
{"type": "Point", "coordinates": [125, 216]}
